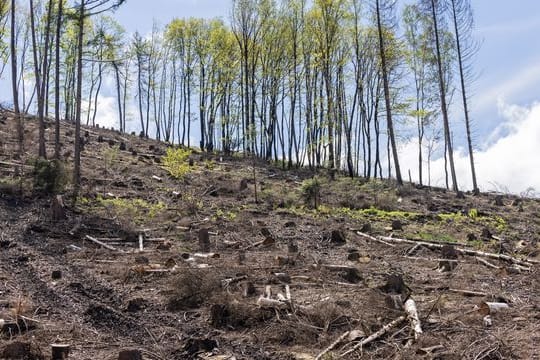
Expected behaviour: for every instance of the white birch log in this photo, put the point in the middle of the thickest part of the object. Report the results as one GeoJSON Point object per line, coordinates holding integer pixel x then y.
{"type": "Point", "coordinates": [412, 312]}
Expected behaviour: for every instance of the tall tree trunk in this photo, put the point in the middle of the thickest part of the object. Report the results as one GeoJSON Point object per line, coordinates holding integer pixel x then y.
{"type": "Point", "coordinates": [15, 89]}
{"type": "Point", "coordinates": [37, 74]}
{"type": "Point", "coordinates": [444, 108]}
{"type": "Point", "coordinates": [78, 104]}
{"type": "Point", "coordinates": [387, 95]}
{"type": "Point", "coordinates": [464, 98]}
{"type": "Point", "coordinates": [57, 82]}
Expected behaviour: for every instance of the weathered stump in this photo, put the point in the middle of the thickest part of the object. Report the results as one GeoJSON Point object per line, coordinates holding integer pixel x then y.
{"type": "Point", "coordinates": [59, 351]}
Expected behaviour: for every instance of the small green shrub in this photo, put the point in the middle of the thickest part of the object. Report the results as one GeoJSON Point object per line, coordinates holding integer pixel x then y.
{"type": "Point", "coordinates": [176, 162]}
{"type": "Point", "coordinates": [49, 176]}
{"type": "Point", "coordinates": [311, 192]}
{"type": "Point", "coordinates": [109, 156]}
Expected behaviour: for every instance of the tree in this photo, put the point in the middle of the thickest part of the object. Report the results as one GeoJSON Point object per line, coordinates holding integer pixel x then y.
{"type": "Point", "coordinates": [421, 61]}
{"type": "Point", "coordinates": [330, 14]}
{"type": "Point", "coordinates": [39, 72]}
{"type": "Point", "coordinates": [86, 8]}
{"type": "Point", "coordinates": [435, 9]}
{"type": "Point", "coordinates": [14, 85]}
{"type": "Point", "coordinates": [463, 23]}
{"type": "Point", "coordinates": [380, 11]}
{"type": "Point", "coordinates": [59, 20]}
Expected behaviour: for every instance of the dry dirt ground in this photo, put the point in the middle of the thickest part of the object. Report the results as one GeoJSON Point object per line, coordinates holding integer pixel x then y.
{"type": "Point", "coordinates": [176, 300]}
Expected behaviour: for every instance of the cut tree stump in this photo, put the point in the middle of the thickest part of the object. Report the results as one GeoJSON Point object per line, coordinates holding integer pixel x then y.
{"type": "Point", "coordinates": [130, 355]}
{"type": "Point", "coordinates": [58, 209]}
{"type": "Point", "coordinates": [59, 351]}
{"type": "Point", "coordinates": [204, 240]}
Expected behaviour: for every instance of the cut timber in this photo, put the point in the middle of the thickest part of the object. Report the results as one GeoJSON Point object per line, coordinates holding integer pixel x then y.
{"type": "Point", "coordinates": [141, 242]}
{"type": "Point", "coordinates": [487, 308]}
{"type": "Point", "coordinates": [375, 335]}
{"type": "Point", "coordinates": [524, 262]}
{"type": "Point", "coordinates": [106, 246]}
{"type": "Point", "coordinates": [412, 312]}
{"type": "Point", "coordinates": [373, 238]}
{"type": "Point", "coordinates": [264, 302]}
{"type": "Point", "coordinates": [59, 351]}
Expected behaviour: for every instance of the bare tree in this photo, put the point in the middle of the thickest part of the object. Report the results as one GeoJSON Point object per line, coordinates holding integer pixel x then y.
{"type": "Point", "coordinates": [86, 8]}
{"type": "Point", "coordinates": [463, 23]}
{"type": "Point", "coordinates": [435, 9]}
{"type": "Point", "coordinates": [387, 8]}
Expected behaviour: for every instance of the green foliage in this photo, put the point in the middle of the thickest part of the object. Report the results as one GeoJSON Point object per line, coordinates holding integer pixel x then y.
{"type": "Point", "coordinates": [311, 192]}
{"type": "Point", "coordinates": [50, 176]}
{"type": "Point", "coordinates": [225, 215]}
{"type": "Point", "coordinates": [192, 203]}
{"type": "Point", "coordinates": [176, 162]}
{"type": "Point", "coordinates": [137, 210]}
{"type": "Point", "coordinates": [473, 213]}
{"type": "Point", "coordinates": [110, 155]}
{"type": "Point", "coordinates": [444, 237]}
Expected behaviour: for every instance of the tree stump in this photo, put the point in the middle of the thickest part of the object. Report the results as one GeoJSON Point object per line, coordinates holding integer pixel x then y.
{"type": "Point", "coordinates": [204, 240]}
{"type": "Point", "coordinates": [58, 210]}
{"type": "Point", "coordinates": [397, 225]}
{"type": "Point", "coordinates": [130, 355]}
{"type": "Point", "coordinates": [499, 200]}
{"type": "Point", "coordinates": [59, 351]}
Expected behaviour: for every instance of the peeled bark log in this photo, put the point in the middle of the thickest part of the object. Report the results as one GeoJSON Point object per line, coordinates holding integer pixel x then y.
{"type": "Point", "coordinates": [412, 312]}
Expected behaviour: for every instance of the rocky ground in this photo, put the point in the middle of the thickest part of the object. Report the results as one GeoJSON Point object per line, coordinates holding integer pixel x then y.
{"type": "Point", "coordinates": [236, 262]}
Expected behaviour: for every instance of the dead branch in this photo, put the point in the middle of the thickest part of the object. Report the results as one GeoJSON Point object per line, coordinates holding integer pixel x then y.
{"type": "Point", "coordinates": [513, 260]}
{"type": "Point", "coordinates": [375, 335]}
{"type": "Point", "coordinates": [106, 246]}
{"type": "Point", "coordinates": [332, 345]}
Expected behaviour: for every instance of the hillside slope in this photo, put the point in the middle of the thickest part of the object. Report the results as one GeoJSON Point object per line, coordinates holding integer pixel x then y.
{"type": "Point", "coordinates": [183, 297]}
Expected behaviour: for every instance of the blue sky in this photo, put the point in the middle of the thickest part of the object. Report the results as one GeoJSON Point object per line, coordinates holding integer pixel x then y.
{"type": "Point", "coordinates": [505, 99]}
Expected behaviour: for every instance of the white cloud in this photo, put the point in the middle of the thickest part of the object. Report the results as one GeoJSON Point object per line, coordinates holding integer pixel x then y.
{"type": "Point", "coordinates": [525, 79]}
{"type": "Point", "coordinates": [510, 161]}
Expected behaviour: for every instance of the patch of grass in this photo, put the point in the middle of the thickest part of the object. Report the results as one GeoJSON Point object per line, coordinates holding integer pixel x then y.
{"type": "Point", "coordinates": [385, 214]}
{"type": "Point", "coordinates": [137, 210]}
{"type": "Point", "coordinates": [279, 197]}
{"type": "Point", "coordinates": [192, 203]}
{"type": "Point", "coordinates": [225, 215]}
{"type": "Point", "coordinates": [311, 192]}
{"type": "Point", "coordinates": [473, 213]}
{"type": "Point", "coordinates": [176, 162]}
{"type": "Point", "coordinates": [495, 221]}
{"type": "Point", "coordinates": [428, 236]}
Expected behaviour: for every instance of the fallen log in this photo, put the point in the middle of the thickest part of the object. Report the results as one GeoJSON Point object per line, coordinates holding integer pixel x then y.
{"type": "Point", "coordinates": [264, 302]}
{"type": "Point", "coordinates": [412, 312]}
{"type": "Point", "coordinates": [513, 260]}
{"type": "Point", "coordinates": [106, 246]}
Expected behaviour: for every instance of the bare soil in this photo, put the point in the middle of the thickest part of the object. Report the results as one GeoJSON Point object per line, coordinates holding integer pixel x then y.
{"type": "Point", "coordinates": [172, 301]}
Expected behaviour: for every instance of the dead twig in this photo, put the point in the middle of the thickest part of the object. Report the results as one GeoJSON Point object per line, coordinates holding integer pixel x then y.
{"type": "Point", "coordinates": [375, 335]}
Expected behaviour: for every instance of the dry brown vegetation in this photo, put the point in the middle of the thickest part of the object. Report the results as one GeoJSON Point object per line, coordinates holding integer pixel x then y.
{"type": "Point", "coordinates": [281, 279]}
